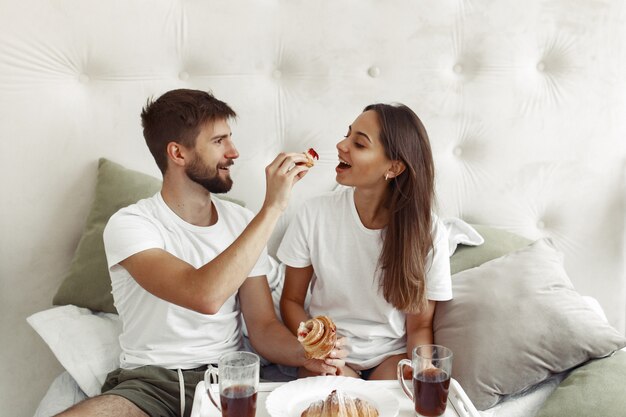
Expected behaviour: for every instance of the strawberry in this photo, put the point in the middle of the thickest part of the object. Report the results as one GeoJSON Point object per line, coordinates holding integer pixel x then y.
{"type": "Point", "coordinates": [312, 153]}
{"type": "Point", "coordinates": [310, 156]}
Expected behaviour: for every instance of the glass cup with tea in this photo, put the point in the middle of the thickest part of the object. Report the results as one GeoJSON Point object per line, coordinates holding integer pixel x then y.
{"type": "Point", "coordinates": [432, 367]}
{"type": "Point", "coordinates": [238, 376]}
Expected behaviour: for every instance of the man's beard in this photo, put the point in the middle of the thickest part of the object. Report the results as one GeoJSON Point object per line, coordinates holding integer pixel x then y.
{"type": "Point", "coordinates": [207, 177]}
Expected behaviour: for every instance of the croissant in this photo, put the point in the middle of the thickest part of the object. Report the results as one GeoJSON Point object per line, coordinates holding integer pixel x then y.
{"type": "Point", "coordinates": [318, 337]}
{"type": "Point", "coordinates": [337, 404]}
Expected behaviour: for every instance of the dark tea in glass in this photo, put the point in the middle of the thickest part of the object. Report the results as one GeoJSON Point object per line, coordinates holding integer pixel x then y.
{"type": "Point", "coordinates": [238, 401]}
{"type": "Point", "coordinates": [431, 367]}
{"type": "Point", "coordinates": [431, 391]}
{"type": "Point", "coordinates": [238, 376]}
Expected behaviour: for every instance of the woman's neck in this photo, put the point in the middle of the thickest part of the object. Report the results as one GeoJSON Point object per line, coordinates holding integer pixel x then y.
{"type": "Point", "coordinates": [371, 207]}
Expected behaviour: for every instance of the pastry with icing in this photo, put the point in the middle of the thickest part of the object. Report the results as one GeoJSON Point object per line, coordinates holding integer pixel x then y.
{"type": "Point", "coordinates": [318, 337]}
{"type": "Point", "coordinates": [338, 404]}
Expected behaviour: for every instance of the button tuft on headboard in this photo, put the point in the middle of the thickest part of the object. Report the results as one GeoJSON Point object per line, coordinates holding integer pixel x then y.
{"type": "Point", "coordinates": [541, 66]}
{"type": "Point", "coordinates": [373, 72]}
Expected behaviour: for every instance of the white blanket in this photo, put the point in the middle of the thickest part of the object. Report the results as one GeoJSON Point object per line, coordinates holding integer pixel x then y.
{"type": "Point", "coordinates": [460, 232]}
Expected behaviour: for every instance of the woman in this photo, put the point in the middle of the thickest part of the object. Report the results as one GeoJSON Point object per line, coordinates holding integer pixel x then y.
{"type": "Point", "coordinates": [374, 253]}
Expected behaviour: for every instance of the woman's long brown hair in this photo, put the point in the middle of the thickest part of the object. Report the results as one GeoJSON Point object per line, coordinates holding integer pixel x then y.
{"type": "Point", "coordinates": [407, 239]}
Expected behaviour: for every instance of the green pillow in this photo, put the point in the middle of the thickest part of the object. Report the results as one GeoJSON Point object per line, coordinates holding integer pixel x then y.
{"type": "Point", "coordinates": [595, 389]}
{"type": "Point", "coordinates": [497, 243]}
{"type": "Point", "coordinates": [87, 283]}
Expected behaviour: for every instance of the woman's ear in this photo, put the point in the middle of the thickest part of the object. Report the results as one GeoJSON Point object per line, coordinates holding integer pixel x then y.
{"type": "Point", "coordinates": [397, 168]}
{"type": "Point", "coordinates": [175, 153]}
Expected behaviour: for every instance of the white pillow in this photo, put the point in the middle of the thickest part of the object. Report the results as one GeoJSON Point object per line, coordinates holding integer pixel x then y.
{"type": "Point", "coordinates": [85, 343]}
{"type": "Point", "coordinates": [63, 393]}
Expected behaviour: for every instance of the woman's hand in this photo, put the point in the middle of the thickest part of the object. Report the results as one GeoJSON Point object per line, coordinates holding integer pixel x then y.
{"type": "Point", "coordinates": [337, 356]}
{"type": "Point", "coordinates": [334, 363]}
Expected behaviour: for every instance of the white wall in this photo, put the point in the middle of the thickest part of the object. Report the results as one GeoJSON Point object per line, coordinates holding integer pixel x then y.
{"type": "Point", "coordinates": [524, 103]}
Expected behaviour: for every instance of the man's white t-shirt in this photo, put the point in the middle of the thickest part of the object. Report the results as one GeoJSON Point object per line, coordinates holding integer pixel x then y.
{"type": "Point", "coordinates": [329, 235]}
{"type": "Point", "coordinates": [156, 332]}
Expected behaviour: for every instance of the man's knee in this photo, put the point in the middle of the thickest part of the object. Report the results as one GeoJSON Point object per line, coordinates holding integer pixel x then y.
{"type": "Point", "coordinates": [104, 406]}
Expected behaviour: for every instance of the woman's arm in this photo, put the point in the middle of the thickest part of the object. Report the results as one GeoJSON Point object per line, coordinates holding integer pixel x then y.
{"type": "Point", "coordinates": [419, 331]}
{"type": "Point", "coordinates": [419, 328]}
{"type": "Point", "coordinates": [294, 293]}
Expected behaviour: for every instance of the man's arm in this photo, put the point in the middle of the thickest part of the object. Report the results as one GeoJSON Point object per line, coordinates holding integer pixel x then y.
{"type": "Point", "coordinates": [271, 338]}
{"type": "Point", "coordinates": [206, 289]}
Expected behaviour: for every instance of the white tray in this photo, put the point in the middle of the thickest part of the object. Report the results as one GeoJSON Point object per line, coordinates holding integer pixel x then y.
{"type": "Point", "coordinates": [459, 405]}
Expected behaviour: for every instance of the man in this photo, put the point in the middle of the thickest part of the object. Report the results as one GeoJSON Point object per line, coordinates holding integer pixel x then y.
{"type": "Point", "coordinates": [184, 265]}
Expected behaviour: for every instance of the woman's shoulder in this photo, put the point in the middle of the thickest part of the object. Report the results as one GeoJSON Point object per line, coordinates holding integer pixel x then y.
{"type": "Point", "coordinates": [438, 230]}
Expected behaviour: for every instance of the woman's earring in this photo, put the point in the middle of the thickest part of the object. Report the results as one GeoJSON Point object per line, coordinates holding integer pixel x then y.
{"type": "Point", "coordinates": [386, 176]}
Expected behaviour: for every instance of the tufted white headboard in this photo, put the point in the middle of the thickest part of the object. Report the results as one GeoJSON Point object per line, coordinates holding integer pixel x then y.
{"type": "Point", "coordinates": [524, 102]}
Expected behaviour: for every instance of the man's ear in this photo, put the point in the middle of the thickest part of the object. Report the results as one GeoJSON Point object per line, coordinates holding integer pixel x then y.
{"type": "Point", "coordinates": [175, 153]}
{"type": "Point", "coordinates": [397, 168]}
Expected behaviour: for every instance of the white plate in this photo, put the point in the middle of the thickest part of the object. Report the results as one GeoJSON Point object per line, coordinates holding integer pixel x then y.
{"type": "Point", "coordinates": [291, 399]}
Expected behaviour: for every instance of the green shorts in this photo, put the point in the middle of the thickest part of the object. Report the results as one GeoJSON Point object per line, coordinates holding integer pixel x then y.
{"type": "Point", "coordinates": [153, 389]}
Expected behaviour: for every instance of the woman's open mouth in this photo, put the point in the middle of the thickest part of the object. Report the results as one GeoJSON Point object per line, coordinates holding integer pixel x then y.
{"type": "Point", "coordinates": [343, 164]}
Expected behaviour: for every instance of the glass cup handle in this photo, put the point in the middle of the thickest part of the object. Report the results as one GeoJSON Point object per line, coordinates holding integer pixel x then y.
{"type": "Point", "coordinates": [213, 374]}
{"type": "Point", "coordinates": [400, 375]}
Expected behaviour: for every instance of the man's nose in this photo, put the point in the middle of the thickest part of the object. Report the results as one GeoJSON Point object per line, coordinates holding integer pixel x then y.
{"type": "Point", "coordinates": [231, 152]}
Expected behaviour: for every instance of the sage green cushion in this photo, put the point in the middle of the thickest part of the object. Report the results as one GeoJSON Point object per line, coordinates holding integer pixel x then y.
{"type": "Point", "coordinates": [497, 243]}
{"type": "Point", "coordinates": [516, 320]}
{"type": "Point", "coordinates": [596, 389]}
{"type": "Point", "coordinates": [87, 284]}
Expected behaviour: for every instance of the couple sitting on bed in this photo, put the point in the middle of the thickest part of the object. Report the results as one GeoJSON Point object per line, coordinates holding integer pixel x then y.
{"type": "Point", "coordinates": [185, 265]}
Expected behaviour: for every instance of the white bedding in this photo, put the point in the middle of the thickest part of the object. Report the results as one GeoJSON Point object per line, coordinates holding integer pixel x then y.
{"type": "Point", "coordinates": [63, 393]}
{"type": "Point", "coordinates": [528, 403]}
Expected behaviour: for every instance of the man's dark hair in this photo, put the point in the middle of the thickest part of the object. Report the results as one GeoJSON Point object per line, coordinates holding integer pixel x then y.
{"type": "Point", "coordinates": [177, 116]}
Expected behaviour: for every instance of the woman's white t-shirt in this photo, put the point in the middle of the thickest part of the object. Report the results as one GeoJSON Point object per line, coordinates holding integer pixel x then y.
{"type": "Point", "coordinates": [156, 332]}
{"type": "Point", "coordinates": [329, 235]}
